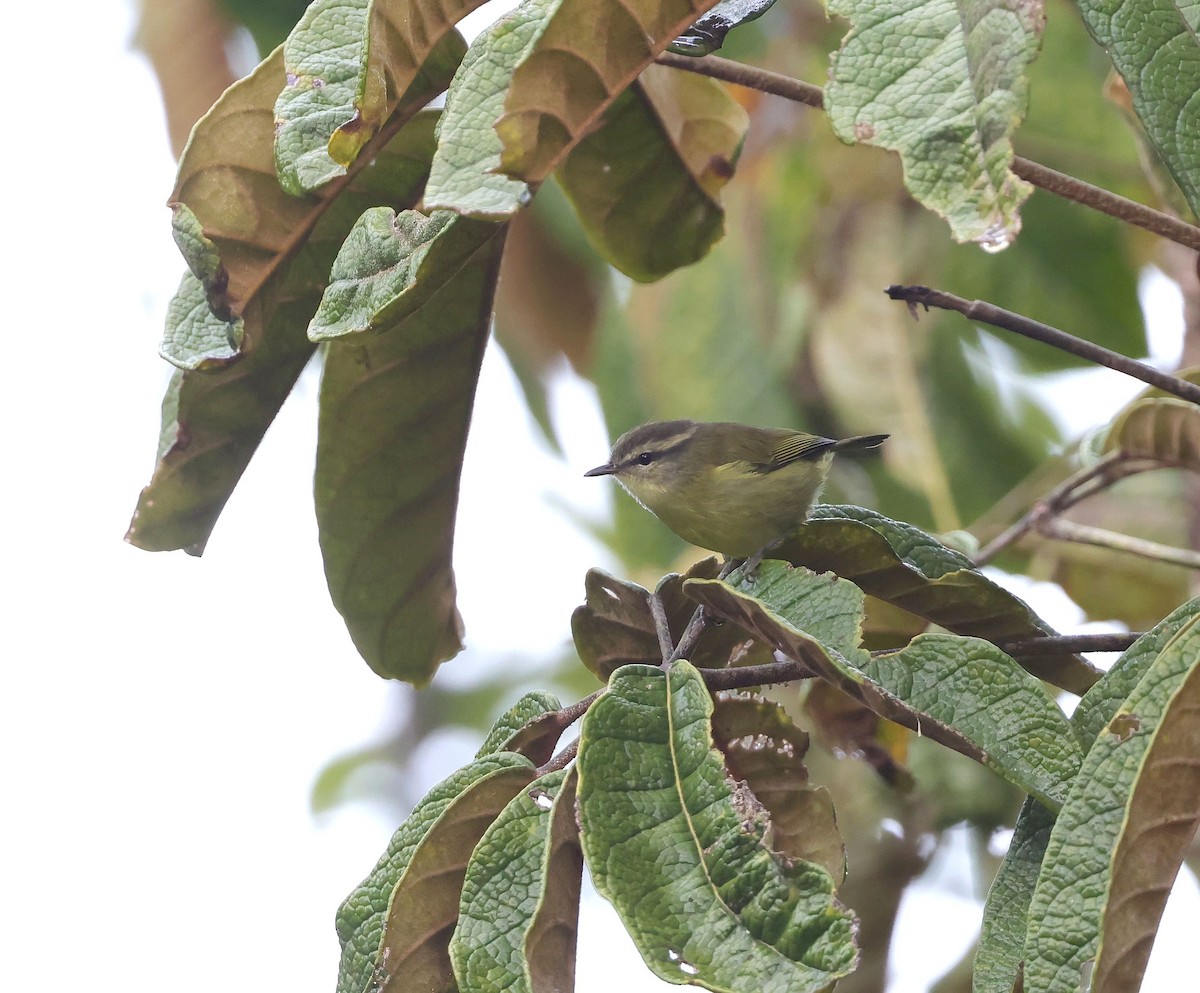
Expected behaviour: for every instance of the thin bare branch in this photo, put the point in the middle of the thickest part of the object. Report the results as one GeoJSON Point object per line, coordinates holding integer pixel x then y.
{"type": "Point", "coordinates": [981, 310]}
{"type": "Point", "coordinates": [1085, 534]}
{"type": "Point", "coordinates": [1115, 641]}
{"type": "Point", "coordinates": [1059, 183]}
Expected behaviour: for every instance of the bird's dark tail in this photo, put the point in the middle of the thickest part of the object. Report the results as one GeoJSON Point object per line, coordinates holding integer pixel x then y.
{"type": "Point", "coordinates": [862, 441]}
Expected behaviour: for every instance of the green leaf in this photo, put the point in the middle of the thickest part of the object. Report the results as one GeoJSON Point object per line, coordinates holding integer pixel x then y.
{"type": "Point", "coordinates": [530, 707]}
{"type": "Point", "coordinates": [194, 337]}
{"type": "Point", "coordinates": [1102, 701]}
{"type": "Point", "coordinates": [765, 749]}
{"type": "Point", "coordinates": [352, 66]}
{"type": "Point", "coordinates": [395, 408]}
{"type": "Point", "coordinates": [708, 33]}
{"type": "Point", "coordinates": [395, 926]}
{"type": "Point", "coordinates": [905, 566]}
{"type": "Point", "coordinates": [391, 265]}
{"type": "Point", "coordinates": [1119, 839]}
{"type": "Point", "coordinates": [646, 182]}
{"type": "Point", "coordinates": [464, 176]}
{"type": "Point", "coordinates": [1152, 44]}
{"type": "Point", "coordinates": [722, 911]}
{"type": "Point", "coordinates": [1006, 912]}
{"type": "Point", "coordinates": [942, 82]}
{"type": "Point", "coordinates": [274, 256]}
{"type": "Point", "coordinates": [202, 256]}
{"type": "Point", "coordinates": [567, 80]}
{"type": "Point", "coordinates": [962, 692]}
{"type": "Point", "coordinates": [520, 898]}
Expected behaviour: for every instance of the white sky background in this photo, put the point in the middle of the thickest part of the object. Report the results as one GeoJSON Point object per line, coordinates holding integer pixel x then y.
{"type": "Point", "coordinates": [163, 718]}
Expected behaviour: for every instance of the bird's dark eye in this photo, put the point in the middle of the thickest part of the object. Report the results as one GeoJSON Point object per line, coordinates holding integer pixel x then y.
{"type": "Point", "coordinates": [645, 458]}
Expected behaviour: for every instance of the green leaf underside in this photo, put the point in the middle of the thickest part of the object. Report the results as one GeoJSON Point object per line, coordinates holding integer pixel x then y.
{"type": "Point", "coordinates": [194, 337]}
{"type": "Point", "coordinates": [1119, 839]}
{"type": "Point", "coordinates": [680, 855]}
{"type": "Point", "coordinates": [391, 265]}
{"type": "Point", "coordinates": [942, 82]}
{"type": "Point", "coordinates": [275, 253]}
{"type": "Point", "coordinates": [202, 257]}
{"type": "Point", "coordinates": [1153, 45]}
{"type": "Point", "coordinates": [520, 897]}
{"type": "Point", "coordinates": [463, 177]}
{"type": "Point", "coordinates": [962, 692]}
{"type": "Point", "coordinates": [709, 31]}
{"type": "Point", "coordinates": [763, 747]}
{"type": "Point", "coordinates": [615, 626]}
{"type": "Point", "coordinates": [566, 81]}
{"type": "Point", "coordinates": [530, 707]}
{"type": "Point", "coordinates": [394, 412]}
{"type": "Point", "coordinates": [350, 65]}
{"type": "Point", "coordinates": [393, 928]}
{"type": "Point", "coordinates": [1006, 911]}
{"type": "Point", "coordinates": [645, 183]}
{"type": "Point", "coordinates": [905, 566]}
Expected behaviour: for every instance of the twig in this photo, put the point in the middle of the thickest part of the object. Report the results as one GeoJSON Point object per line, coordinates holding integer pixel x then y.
{"type": "Point", "coordinates": [1050, 180]}
{"type": "Point", "coordinates": [1087, 535]}
{"type": "Point", "coordinates": [661, 626]}
{"type": "Point", "coordinates": [1107, 202]}
{"type": "Point", "coordinates": [1066, 494]}
{"type": "Point", "coordinates": [980, 310]}
{"type": "Point", "coordinates": [755, 675]}
{"type": "Point", "coordinates": [697, 624]}
{"type": "Point", "coordinates": [751, 77]}
{"type": "Point", "coordinates": [560, 761]}
{"type": "Point", "coordinates": [1114, 641]}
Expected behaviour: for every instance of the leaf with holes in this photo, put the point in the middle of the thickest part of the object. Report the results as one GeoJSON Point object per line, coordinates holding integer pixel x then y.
{"type": "Point", "coordinates": [351, 65]}
{"type": "Point", "coordinates": [763, 748]}
{"type": "Point", "coordinates": [721, 910]}
{"type": "Point", "coordinates": [942, 83]}
{"type": "Point", "coordinates": [586, 55]}
{"type": "Point", "coordinates": [395, 927]}
{"type": "Point", "coordinates": [1006, 912]}
{"type": "Point", "coordinates": [395, 407]}
{"type": "Point", "coordinates": [520, 898]}
{"type": "Point", "coordinates": [1121, 836]}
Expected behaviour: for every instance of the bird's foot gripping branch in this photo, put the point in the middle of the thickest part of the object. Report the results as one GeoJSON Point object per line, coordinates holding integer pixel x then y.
{"type": "Point", "coordinates": [693, 757]}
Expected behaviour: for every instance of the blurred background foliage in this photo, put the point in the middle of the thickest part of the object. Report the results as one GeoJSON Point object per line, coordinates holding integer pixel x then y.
{"type": "Point", "coordinates": [785, 323]}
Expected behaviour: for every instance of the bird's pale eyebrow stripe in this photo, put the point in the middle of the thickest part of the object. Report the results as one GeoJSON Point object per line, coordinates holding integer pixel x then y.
{"type": "Point", "coordinates": [650, 445]}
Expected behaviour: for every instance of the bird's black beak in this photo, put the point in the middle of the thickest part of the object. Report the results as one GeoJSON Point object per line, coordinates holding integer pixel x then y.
{"type": "Point", "coordinates": [602, 470]}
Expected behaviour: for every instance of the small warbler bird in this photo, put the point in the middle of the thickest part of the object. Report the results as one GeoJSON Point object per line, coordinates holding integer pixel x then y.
{"type": "Point", "coordinates": [731, 488]}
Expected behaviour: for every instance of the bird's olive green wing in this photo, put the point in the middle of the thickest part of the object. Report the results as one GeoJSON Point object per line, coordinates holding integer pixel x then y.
{"type": "Point", "coordinates": [796, 447]}
{"type": "Point", "coordinates": [763, 450]}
